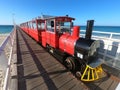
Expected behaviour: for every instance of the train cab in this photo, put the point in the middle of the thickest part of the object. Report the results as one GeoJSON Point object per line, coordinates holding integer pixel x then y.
{"type": "Point", "coordinates": [55, 28]}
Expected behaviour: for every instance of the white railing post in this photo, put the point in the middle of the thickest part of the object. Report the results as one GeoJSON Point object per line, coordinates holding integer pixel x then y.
{"type": "Point", "coordinates": [106, 46]}
{"type": "Point", "coordinates": [117, 56]}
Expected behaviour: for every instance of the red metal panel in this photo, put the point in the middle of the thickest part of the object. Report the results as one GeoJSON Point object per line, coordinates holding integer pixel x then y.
{"type": "Point", "coordinates": [35, 32]}
{"type": "Point", "coordinates": [40, 35]}
{"type": "Point", "coordinates": [66, 43]}
{"type": "Point", "coordinates": [52, 39]}
{"type": "Point", "coordinates": [70, 45]}
{"type": "Point", "coordinates": [43, 34]}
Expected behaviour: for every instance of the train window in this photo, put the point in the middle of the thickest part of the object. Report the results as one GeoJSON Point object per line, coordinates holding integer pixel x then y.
{"type": "Point", "coordinates": [63, 27]}
{"type": "Point", "coordinates": [34, 25]}
{"type": "Point", "coordinates": [41, 26]}
{"type": "Point", "coordinates": [72, 24]}
{"type": "Point", "coordinates": [30, 25]}
{"type": "Point", "coordinates": [50, 25]}
{"type": "Point", "coordinates": [27, 24]}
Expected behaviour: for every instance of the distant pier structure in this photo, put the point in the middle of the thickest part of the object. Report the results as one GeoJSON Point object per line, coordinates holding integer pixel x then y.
{"type": "Point", "coordinates": [25, 65]}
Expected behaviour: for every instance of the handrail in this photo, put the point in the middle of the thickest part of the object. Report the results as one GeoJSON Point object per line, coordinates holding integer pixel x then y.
{"type": "Point", "coordinates": [8, 42]}
{"type": "Point", "coordinates": [109, 46]}
{"type": "Point", "coordinates": [4, 44]}
{"type": "Point", "coordinates": [102, 32]}
{"type": "Point", "coordinates": [103, 35]}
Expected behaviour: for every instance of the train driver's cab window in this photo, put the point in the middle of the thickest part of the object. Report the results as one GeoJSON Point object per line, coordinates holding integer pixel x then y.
{"type": "Point", "coordinates": [34, 25]}
{"type": "Point", "coordinates": [50, 25]}
{"type": "Point", "coordinates": [63, 27]}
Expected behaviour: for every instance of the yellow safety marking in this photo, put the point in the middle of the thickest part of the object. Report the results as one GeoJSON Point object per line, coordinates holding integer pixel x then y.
{"type": "Point", "coordinates": [92, 74]}
{"type": "Point", "coordinates": [96, 73]}
{"type": "Point", "coordinates": [88, 73]}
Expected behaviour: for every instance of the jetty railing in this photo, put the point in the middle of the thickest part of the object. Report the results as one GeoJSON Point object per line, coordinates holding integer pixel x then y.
{"type": "Point", "coordinates": [6, 50]}
{"type": "Point", "coordinates": [109, 47]}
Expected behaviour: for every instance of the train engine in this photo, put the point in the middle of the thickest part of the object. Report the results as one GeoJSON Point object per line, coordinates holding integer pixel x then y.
{"type": "Point", "coordinates": [80, 53]}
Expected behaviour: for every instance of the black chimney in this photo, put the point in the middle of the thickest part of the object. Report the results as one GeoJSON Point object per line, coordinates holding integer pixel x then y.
{"type": "Point", "coordinates": [89, 29]}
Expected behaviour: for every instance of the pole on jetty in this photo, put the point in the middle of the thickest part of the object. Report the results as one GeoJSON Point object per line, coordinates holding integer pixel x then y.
{"type": "Point", "coordinates": [13, 18]}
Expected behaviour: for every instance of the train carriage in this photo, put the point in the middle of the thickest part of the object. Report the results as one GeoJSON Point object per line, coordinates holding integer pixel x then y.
{"type": "Point", "coordinates": [34, 28]}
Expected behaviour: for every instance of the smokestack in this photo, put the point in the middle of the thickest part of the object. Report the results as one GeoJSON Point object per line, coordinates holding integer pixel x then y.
{"type": "Point", "coordinates": [89, 29]}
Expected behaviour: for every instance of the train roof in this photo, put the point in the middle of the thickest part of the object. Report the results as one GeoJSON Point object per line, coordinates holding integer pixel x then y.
{"type": "Point", "coordinates": [46, 17]}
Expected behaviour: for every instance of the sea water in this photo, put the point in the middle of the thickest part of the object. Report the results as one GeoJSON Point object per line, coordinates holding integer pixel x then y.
{"type": "Point", "coordinates": [5, 29]}
{"type": "Point", "coordinates": [114, 29]}
{"type": "Point", "coordinates": [107, 31]}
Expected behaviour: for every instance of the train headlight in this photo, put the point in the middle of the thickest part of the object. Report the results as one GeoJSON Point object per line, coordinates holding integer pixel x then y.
{"type": "Point", "coordinates": [80, 55]}
{"type": "Point", "coordinates": [93, 48]}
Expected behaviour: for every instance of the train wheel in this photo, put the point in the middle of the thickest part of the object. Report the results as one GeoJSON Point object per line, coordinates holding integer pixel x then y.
{"type": "Point", "coordinates": [78, 74]}
{"type": "Point", "coordinates": [47, 48]}
{"type": "Point", "coordinates": [70, 63]}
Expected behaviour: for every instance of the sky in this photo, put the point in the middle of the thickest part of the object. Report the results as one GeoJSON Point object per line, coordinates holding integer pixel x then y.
{"type": "Point", "coordinates": [104, 12]}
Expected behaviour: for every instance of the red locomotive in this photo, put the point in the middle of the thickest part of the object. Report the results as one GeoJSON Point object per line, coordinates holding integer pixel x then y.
{"type": "Point", "coordinates": [60, 37]}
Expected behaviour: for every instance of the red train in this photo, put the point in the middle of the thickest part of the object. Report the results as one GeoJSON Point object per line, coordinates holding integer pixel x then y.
{"type": "Point", "coordinates": [60, 37]}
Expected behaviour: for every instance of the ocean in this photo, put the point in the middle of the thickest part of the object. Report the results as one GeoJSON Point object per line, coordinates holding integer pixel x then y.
{"type": "Point", "coordinates": [116, 29]}
{"type": "Point", "coordinates": [5, 29]}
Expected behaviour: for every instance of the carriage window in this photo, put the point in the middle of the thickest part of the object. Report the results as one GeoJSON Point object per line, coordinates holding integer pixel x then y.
{"type": "Point", "coordinates": [30, 25]}
{"type": "Point", "coordinates": [50, 25]}
{"type": "Point", "coordinates": [34, 25]}
{"type": "Point", "coordinates": [27, 24]}
{"type": "Point", "coordinates": [41, 26]}
{"type": "Point", "coordinates": [24, 24]}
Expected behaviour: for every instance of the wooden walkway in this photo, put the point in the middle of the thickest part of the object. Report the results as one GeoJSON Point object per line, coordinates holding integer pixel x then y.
{"type": "Point", "coordinates": [38, 70]}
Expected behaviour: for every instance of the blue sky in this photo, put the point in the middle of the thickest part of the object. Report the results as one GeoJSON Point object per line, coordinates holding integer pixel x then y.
{"type": "Point", "coordinates": [104, 12]}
